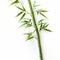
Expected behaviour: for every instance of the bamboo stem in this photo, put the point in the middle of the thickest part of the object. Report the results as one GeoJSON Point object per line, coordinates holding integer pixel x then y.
{"type": "Point", "coordinates": [36, 29]}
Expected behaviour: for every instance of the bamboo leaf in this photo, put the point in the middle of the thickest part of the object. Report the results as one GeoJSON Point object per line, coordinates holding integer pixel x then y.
{"type": "Point", "coordinates": [44, 10]}
{"type": "Point", "coordinates": [46, 25]}
{"type": "Point", "coordinates": [19, 14]}
{"type": "Point", "coordinates": [16, 1]}
{"type": "Point", "coordinates": [28, 25]}
{"type": "Point", "coordinates": [19, 8]}
{"type": "Point", "coordinates": [43, 15]}
{"type": "Point", "coordinates": [29, 38]}
{"type": "Point", "coordinates": [41, 10]}
{"type": "Point", "coordinates": [39, 22]}
{"type": "Point", "coordinates": [23, 8]}
{"type": "Point", "coordinates": [29, 35]}
{"type": "Point", "coordinates": [41, 26]}
{"type": "Point", "coordinates": [48, 30]}
{"type": "Point", "coordinates": [22, 16]}
{"type": "Point", "coordinates": [24, 23]}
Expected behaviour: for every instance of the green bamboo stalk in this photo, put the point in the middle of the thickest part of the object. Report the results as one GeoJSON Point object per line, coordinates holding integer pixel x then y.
{"type": "Point", "coordinates": [36, 29]}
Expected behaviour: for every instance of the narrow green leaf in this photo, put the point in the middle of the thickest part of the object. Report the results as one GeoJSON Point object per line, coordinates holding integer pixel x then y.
{"type": "Point", "coordinates": [29, 35]}
{"type": "Point", "coordinates": [24, 23]}
{"type": "Point", "coordinates": [39, 22]}
{"type": "Point", "coordinates": [29, 38]}
{"type": "Point", "coordinates": [19, 8]}
{"type": "Point", "coordinates": [22, 16]}
{"type": "Point", "coordinates": [28, 25]}
{"type": "Point", "coordinates": [16, 1]}
{"type": "Point", "coordinates": [43, 15]}
{"type": "Point", "coordinates": [48, 30]}
{"type": "Point", "coordinates": [41, 10]}
{"type": "Point", "coordinates": [19, 14]}
{"type": "Point", "coordinates": [46, 25]}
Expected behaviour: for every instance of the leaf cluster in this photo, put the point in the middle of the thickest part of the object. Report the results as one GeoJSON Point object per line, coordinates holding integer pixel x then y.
{"type": "Point", "coordinates": [43, 25]}
{"type": "Point", "coordinates": [29, 35]}
{"type": "Point", "coordinates": [41, 12]}
{"type": "Point", "coordinates": [22, 12]}
{"type": "Point", "coordinates": [26, 22]}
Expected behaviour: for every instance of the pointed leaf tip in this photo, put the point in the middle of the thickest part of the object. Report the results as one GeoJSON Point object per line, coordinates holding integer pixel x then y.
{"type": "Point", "coordinates": [16, 1]}
{"type": "Point", "coordinates": [48, 30]}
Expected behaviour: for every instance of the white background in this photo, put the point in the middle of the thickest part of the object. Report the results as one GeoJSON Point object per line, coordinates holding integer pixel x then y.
{"type": "Point", "coordinates": [12, 42]}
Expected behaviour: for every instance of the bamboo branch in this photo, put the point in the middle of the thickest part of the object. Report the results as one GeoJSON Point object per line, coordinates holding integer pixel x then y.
{"type": "Point", "coordinates": [29, 22]}
{"type": "Point", "coordinates": [36, 29]}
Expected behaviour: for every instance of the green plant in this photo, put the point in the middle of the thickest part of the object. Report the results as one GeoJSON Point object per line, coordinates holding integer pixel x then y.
{"type": "Point", "coordinates": [32, 22]}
